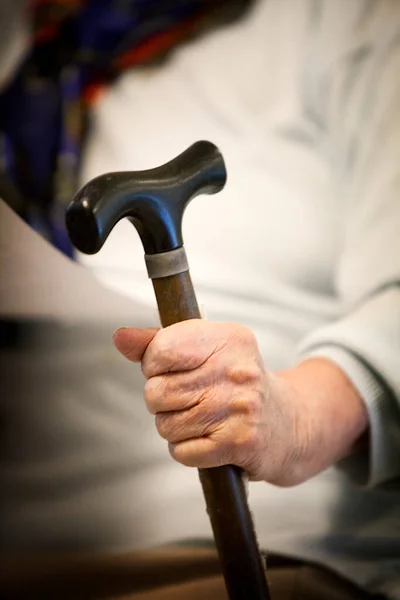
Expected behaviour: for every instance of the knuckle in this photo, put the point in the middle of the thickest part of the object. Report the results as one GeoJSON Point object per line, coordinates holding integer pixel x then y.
{"type": "Point", "coordinates": [154, 390]}
{"type": "Point", "coordinates": [208, 395]}
{"type": "Point", "coordinates": [178, 453]}
{"type": "Point", "coordinates": [243, 334]}
{"type": "Point", "coordinates": [173, 427]}
{"type": "Point", "coordinates": [241, 374]}
{"type": "Point", "coordinates": [174, 351]}
{"type": "Point", "coordinates": [160, 345]}
{"type": "Point", "coordinates": [248, 439]}
{"type": "Point", "coordinates": [163, 426]}
{"type": "Point", "coordinates": [205, 418]}
{"type": "Point", "coordinates": [253, 405]}
{"type": "Point", "coordinates": [213, 409]}
{"type": "Point", "coordinates": [224, 446]}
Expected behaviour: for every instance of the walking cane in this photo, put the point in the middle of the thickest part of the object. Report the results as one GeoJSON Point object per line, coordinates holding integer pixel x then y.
{"type": "Point", "coordinates": [154, 201]}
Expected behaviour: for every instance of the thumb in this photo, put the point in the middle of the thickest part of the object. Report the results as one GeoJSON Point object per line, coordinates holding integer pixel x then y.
{"type": "Point", "coordinates": [133, 342]}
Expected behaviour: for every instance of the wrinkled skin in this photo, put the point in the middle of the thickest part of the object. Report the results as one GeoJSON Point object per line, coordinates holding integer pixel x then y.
{"type": "Point", "coordinates": [215, 403]}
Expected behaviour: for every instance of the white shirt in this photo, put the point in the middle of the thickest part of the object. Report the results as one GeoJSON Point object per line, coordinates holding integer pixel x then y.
{"type": "Point", "coordinates": [302, 246]}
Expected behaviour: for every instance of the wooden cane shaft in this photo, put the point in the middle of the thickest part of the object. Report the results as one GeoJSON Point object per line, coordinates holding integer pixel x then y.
{"type": "Point", "coordinates": [176, 299]}
{"type": "Point", "coordinates": [223, 487]}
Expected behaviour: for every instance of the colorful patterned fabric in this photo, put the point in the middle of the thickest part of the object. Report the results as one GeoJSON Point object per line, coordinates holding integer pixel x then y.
{"type": "Point", "coordinates": [78, 46]}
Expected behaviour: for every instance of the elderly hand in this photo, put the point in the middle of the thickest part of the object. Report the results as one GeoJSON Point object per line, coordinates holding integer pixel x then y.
{"type": "Point", "coordinates": [215, 403]}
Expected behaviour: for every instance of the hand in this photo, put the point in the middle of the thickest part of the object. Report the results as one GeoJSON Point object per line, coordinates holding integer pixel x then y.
{"type": "Point", "coordinates": [212, 398]}
{"type": "Point", "coordinates": [215, 403]}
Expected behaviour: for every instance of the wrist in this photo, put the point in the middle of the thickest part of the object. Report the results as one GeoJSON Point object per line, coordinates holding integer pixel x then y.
{"type": "Point", "coordinates": [332, 420]}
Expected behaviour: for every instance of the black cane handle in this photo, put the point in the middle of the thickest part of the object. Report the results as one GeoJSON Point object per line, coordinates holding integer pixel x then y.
{"type": "Point", "coordinates": [155, 201]}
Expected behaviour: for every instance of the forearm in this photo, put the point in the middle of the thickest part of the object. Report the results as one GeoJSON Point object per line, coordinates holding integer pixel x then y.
{"type": "Point", "coordinates": [335, 420]}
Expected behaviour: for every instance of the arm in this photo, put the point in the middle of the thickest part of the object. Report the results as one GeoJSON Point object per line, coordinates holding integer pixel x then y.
{"type": "Point", "coordinates": [329, 393]}
{"type": "Point", "coordinates": [362, 125]}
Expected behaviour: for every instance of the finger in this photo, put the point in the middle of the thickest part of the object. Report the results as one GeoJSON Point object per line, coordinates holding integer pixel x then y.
{"type": "Point", "coordinates": [196, 422]}
{"type": "Point", "coordinates": [203, 453]}
{"type": "Point", "coordinates": [179, 391]}
{"type": "Point", "coordinates": [184, 346]}
{"type": "Point", "coordinates": [133, 342]}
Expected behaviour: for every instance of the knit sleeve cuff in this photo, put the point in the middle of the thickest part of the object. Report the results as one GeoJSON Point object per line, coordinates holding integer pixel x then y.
{"type": "Point", "coordinates": [380, 461]}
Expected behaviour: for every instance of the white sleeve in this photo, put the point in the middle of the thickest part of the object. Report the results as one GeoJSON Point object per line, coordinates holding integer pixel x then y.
{"type": "Point", "coordinates": [364, 132]}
